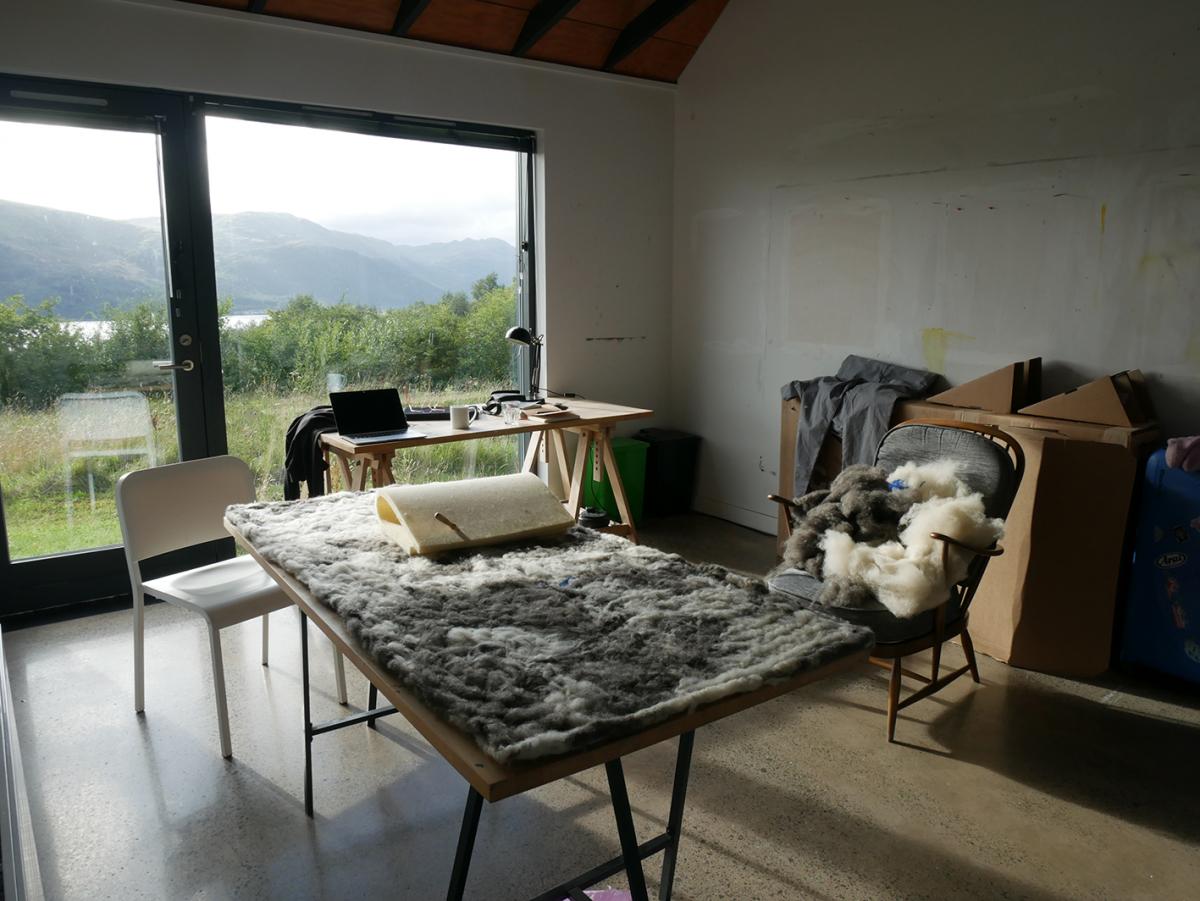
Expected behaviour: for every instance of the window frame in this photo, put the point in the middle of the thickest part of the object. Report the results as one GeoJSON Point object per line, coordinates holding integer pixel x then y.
{"type": "Point", "coordinates": [75, 577]}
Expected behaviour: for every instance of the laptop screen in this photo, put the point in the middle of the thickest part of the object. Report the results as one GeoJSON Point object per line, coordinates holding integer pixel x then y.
{"type": "Point", "coordinates": [376, 410]}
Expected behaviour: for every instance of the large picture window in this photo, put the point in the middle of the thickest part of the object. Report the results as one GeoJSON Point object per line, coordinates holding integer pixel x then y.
{"type": "Point", "coordinates": [181, 276]}
{"type": "Point", "coordinates": [347, 261]}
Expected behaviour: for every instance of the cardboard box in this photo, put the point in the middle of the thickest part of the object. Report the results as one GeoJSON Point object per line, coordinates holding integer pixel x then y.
{"type": "Point", "coordinates": [1003, 391]}
{"type": "Point", "coordinates": [1120, 399]}
{"type": "Point", "coordinates": [1132, 438]}
{"type": "Point", "coordinates": [1049, 602]}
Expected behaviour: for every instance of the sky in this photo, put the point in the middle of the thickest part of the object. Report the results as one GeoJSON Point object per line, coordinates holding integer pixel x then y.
{"type": "Point", "coordinates": [406, 192]}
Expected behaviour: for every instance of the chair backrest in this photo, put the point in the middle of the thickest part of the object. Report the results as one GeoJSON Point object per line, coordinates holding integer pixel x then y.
{"type": "Point", "coordinates": [991, 461]}
{"type": "Point", "coordinates": [176, 506]}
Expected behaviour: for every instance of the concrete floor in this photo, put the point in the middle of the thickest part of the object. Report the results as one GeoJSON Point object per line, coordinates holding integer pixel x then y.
{"type": "Point", "coordinates": [1024, 787]}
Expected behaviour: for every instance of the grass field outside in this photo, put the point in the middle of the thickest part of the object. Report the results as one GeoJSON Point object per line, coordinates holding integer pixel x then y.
{"type": "Point", "coordinates": [33, 473]}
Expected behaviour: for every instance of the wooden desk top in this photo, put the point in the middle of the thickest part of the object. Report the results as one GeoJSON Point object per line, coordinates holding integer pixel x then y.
{"type": "Point", "coordinates": [592, 414]}
{"type": "Point", "coordinates": [496, 781]}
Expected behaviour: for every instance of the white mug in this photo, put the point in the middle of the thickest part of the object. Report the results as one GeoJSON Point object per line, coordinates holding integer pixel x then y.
{"type": "Point", "coordinates": [461, 417]}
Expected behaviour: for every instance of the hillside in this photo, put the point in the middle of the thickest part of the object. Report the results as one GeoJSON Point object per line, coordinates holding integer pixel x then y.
{"type": "Point", "coordinates": [263, 259]}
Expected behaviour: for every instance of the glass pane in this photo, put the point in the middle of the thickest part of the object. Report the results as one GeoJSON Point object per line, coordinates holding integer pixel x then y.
{"type": "Point", "coordinates": [82, 315]}
{"type": "Point", "coordinates": [351, 261]}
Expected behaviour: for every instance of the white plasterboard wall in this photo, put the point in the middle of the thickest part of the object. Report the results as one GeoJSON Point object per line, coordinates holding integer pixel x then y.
{"type": "Point", "coordinates": [951, 186]}
{"type": "Point", "coordinates": [605, 148]}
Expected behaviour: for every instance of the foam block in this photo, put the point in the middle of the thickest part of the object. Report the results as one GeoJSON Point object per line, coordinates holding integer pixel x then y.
{"type": "Point", "coordinates": [473, 512]}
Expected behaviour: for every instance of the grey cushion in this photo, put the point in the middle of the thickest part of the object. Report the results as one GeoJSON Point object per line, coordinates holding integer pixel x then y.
{"type": "Point", "coordinates": [985, 465]}
{"type": "Point", "coordinates": [887, 627]}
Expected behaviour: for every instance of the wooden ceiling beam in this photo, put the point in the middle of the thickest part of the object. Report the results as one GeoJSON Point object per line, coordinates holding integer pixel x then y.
{"type": "Point", "coordinates": [407, 15]}
{"type": "Point", "coordinates": [541, 19]}
{"type": "Point", "coordinates": [652, 19]}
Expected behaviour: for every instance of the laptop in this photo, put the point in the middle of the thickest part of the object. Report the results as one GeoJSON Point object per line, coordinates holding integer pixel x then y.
{"type": "Point", "coordinates": [371, 417]}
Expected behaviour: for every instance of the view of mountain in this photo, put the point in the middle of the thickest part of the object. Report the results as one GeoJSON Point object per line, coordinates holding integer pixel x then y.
{"type": "Point", "coordinates": [263, 260]}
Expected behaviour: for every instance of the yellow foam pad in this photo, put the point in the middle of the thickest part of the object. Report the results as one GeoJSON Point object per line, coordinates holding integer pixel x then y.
{"type": "Point", "coordinates": [473, 512]}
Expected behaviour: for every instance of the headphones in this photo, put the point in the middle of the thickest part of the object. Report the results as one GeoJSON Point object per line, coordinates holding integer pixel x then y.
{"type": "Point", "coordinates": [498, 397]}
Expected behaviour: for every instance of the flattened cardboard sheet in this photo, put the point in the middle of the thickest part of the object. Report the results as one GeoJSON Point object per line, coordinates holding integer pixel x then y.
{"type": "Point", "coordinates": [1003, 391]}
{"type": "Point", "coordinates": [1120, 399]}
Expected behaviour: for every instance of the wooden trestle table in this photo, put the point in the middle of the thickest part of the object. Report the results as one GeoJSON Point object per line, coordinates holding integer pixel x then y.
{"type": "Point", "coordinates": [594, 426]}
{"type": "Point", "coordinates": [489, 780]}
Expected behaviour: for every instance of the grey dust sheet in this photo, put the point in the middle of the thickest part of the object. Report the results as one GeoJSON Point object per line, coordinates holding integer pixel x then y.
{"type": "Point", "coordinates": [537, 649]}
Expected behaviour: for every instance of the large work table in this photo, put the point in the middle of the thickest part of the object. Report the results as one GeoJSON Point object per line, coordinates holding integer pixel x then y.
{"type": "Point", "coordinates": [489, 780]}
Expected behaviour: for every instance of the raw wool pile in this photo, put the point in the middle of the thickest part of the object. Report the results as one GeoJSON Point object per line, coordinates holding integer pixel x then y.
{"type": "Point", "coordinates": [540, 648]}
{"type": "Point", "coordinates": [867, 537]}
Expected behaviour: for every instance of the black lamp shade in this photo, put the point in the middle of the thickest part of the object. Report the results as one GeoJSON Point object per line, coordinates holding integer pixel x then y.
{"type": "Point", "coordinates": [518, 334]}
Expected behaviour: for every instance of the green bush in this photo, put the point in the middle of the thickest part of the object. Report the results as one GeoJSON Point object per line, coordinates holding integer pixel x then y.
{"type": "Point", "coordinates": [41, 357]}
{"type": "Point", "coordinates": [455, 341]}
{"type": "Point", "coordinates": [449, 351]}
{"type": "Point", "coordinates": [452, 342]}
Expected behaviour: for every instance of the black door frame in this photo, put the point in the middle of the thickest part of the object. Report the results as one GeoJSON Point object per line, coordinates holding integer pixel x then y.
{"type": "Point", "coordinates": [40, 582]}
{"type": "Point", "coordinates": [178, 119]}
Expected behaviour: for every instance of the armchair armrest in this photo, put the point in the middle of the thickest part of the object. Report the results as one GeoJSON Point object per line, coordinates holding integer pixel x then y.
{"type": "Point", "coordinates": [788, 506]}
{"type": "Point", "coordinates": [980, 552]}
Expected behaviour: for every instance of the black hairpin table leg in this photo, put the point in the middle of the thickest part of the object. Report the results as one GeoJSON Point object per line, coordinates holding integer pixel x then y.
{"type": "Point", "coordinates": [629, 843]}
{"type": "Point", "coordinates": [667, 842]}
{"type": "Point", "coordinates": [308, 733]}
{"type": "Point", "coordinates": [466, 845]}
{"type": "Point", "coordinates": [683, 765]}
{"type": "Point", "coordinates": [312, 730]}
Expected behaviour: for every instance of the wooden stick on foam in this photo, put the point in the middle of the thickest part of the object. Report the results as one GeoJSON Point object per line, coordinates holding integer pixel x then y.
{"type": "Point", "coordinates": [446, 520]}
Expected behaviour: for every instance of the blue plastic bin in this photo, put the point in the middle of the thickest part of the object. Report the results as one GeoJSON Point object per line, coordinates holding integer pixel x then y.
{"type": "Point", "coordinates": [1162, 616]}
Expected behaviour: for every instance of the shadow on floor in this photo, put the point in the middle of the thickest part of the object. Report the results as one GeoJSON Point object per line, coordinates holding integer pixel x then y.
{"type": "Point", "coordinates": [894, 862]}
{"type": "Point", "coordinates": [1131, 765]}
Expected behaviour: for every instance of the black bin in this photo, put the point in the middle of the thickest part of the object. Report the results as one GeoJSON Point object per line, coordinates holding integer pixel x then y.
{"type": "Point", "coordinates": [670, 470]}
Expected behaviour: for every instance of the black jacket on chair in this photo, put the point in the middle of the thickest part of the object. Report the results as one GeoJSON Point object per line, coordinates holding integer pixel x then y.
{"type": "Point", "coordinates": [303, 460]}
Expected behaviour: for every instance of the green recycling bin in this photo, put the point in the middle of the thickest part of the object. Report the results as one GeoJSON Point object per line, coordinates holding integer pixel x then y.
{"type": "Point", "coordinates": [630, 455]}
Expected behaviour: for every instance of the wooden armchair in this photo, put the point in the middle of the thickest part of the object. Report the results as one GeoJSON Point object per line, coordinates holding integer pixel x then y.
{"type": "Point", "coordinates": [992, 463]}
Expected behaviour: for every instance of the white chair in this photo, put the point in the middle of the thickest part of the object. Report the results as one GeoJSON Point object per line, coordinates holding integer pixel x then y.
{"type": "Point", "coordinates": [171, 507]}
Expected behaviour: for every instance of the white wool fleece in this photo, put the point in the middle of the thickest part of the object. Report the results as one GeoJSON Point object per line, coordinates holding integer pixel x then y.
{"type": "Point", "coordinates": [906, 575]}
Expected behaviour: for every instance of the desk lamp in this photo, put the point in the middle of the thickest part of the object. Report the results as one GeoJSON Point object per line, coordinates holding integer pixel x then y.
{"type": "Point", "coordinates": [520, 335]}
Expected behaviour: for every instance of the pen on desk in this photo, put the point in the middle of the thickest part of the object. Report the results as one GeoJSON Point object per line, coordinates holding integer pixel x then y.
{"type": "Point", "coordinates": [446, 520]}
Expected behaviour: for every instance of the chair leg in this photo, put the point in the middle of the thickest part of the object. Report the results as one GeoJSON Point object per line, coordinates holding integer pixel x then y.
{"type": "Point", "coordinates": [339, 674]}
{"type": "Point", "coordinates": [893, 699]}
{"type": "Point", "coordinates": [937, 661]}
{"type": "Point", "coordinates": [139, 650]}
{"type": "Point", "coordinates": [969, 650]}
{"type": "Point", "coordinates": [70, 493]}
{"type": "Point", "coordinates": [266, 633]}
{"type": "Point", "coordinates": [218, 665]}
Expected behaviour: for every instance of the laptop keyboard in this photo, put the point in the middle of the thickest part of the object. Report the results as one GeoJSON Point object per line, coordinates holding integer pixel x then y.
{"type": "Point", "coordinates": [378, 437]}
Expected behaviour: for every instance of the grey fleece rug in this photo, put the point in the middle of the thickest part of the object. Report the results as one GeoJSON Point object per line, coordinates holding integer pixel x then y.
{"type": "Point", "coordinates": [541, 648]}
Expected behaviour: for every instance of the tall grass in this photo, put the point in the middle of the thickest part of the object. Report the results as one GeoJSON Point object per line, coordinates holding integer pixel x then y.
{"type": "Point", "coordinates": [33, 466]}
{"type": "Point", "coordinates": [272, 371]}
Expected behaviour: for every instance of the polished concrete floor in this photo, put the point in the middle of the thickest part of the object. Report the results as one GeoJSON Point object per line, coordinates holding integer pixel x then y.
{"type": "Point", "coordinates": [1024, 787]}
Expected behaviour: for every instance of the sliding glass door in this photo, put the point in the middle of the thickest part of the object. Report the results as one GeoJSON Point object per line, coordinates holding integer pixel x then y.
{"type": "Point", "coordinates": [100, 363]}
{"type": "Point", "coordinates": [352, 249]}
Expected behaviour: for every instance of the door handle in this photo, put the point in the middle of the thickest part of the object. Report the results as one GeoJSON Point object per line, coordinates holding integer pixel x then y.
{"type": "Point", "coordinates": [185, 366]}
